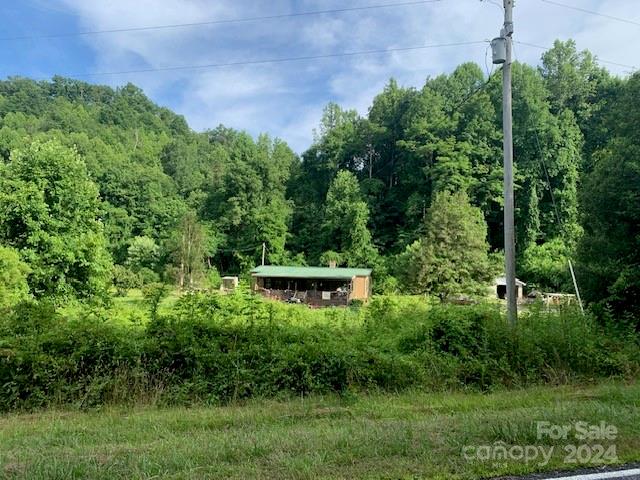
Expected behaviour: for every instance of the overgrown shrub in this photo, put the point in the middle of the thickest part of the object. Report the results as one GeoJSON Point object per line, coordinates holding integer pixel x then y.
{"type": "Point", "coordinates": [214, 280]}
{"type": "Point", "coordinates": [47, 359]}
{"type": "Point", "coordinates": [13, 278]}
{"type": "Point", "coordinates": [147, 276]}
{"type": "Point", "coordinates": [214, 348]}
{"type": "Point", "coordinates": [124, 280]}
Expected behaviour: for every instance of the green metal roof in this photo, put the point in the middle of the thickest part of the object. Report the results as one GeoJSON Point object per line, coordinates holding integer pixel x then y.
{"type": "Point", "coordinates": [310, 272]}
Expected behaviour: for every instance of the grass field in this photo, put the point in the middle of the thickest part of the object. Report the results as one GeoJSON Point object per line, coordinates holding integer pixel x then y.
{"type": "Point", "coordinates": [131, 309]}
{"type": "Point", "coordinates": [409, 435]}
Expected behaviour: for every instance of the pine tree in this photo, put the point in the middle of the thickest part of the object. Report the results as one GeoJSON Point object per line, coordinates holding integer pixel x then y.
{"type": "Point", "coordinates": [451, 256]}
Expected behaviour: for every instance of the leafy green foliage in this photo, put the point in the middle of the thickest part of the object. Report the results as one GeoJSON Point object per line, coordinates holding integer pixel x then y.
{"type": "Point", "coordinates": [13, 278]}
{"type": "Point", "coordinates": [151, 169]}
{"type": "Point", "coordinates": [250, 207]}
{"type": "Point", "coordinates": [446, 137]}
{"type": "Point", "coordinates": [345, 222]}
{"type": "Point", "coordinates": [575, 82]}
{"type": "Point", "coordinates": [124, 280]}
{"type": "Point", "coordinates": [142, 253]}
{"type": "Point", "coordinates": [218, 348]}
{"type": "Point", "coordinates": [214, 280]}
{"type": "Point", "coordinates": [330, 257]}
{"type": "Point", "coordinates": [610, 262]}
{"type": "Point", "coordinates": [363, 189]}
{"type": "Point", "coordinates": [547, 149]}
{"type": "Point", "coordinates": [608, 253]}
{"type": "Point", "coordinates": [49, 211]}
{"type": "Point", "coordinates": [451, 257]}
{"type": "Point", "coordinates": [153, 294]}
{"type": "Point", "coordinates": [189, 248]}
{"type": "Point", "coordinates": [546, 266]}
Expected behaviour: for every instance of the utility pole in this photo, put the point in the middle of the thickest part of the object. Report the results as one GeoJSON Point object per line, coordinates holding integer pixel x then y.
{"type": "Point", "coordinates": [502, 52]}
{"type": "Point", "coordinates": [264, 251]}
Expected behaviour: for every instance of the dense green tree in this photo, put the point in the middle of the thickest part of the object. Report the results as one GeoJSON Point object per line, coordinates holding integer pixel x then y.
{"type": "Point", "coordinates": [250, 207]}
{"type": "Point", "coordinates": [412, 144]}
{"type": "Point", "coordinates": [451, 257]}
{"type": "Point", "coordinates": [572, 79]}
{"type": "Point", "coordinates": [547, 153]}
{"type": "Point", "coordinates": [577, 83]}
{"type": "Point", "coordinates": [124, 279]}
{"type": "Point", "coordinates": [49, 211]}
{"type": "Point", "coordinates": [13, 278]}
{"type": "Point", "coordinates": [121, 155]}
{"type": "Point", "coordinates": [336, 146]}
{"type": "Point", "coordinates": [546, 266]}
{"type": "Point", "coordinates": [143, 252]}
{"type": "Point", "coordinates": [189, 250]}
{"type": "Point", "coordinates": [345, 222]}
{"type": "Point", "coordinates": [610, 248]}
{"type": "Point", "coordinates": [392, 187]}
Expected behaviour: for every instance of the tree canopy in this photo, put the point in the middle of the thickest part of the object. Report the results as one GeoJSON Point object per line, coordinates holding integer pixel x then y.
{"type": "Point", "coordinates": [451, 256]}
{"type": "Point", "coordinates": [49, 212]}
{"type": "Point", "coordinates": [91, 175]}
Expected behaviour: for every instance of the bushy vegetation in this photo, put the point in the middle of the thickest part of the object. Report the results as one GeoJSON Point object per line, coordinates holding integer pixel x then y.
{"type": "Point", "coordinates": [211, 348]}
{"type": "Point", "coordinates": [13, 278]}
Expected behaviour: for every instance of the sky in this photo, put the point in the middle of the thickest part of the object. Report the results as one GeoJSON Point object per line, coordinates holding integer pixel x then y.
{"type": "Point", "coordinates": [286, 99]}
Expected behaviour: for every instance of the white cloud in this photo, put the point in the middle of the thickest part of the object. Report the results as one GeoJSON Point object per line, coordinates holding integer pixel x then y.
{"type": "Point", "coordinates": [286, 99]}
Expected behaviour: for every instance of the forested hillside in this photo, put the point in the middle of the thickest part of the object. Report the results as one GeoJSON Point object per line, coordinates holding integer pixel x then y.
{"type": "Point", "coordinates": [101, 187]}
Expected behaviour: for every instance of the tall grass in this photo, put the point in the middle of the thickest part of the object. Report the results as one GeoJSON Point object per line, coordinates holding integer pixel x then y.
{"type": "Point", "coordinates": [210, 349]}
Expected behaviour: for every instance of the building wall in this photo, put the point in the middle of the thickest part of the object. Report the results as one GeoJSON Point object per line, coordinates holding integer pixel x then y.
{"type": "Point", "coordinates": [360, 288]}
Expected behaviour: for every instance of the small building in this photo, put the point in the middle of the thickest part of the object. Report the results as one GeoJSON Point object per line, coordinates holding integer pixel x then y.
{"type": "Point", "coordinates": [315, 286]}
{"type": "Point", "coordinates": [228, 284]}
{"type": "Point", "coordinates": [500, 288]}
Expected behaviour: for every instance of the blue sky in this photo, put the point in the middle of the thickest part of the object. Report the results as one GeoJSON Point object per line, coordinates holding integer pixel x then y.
{"type": "Point", "coordinates": [286, 99]}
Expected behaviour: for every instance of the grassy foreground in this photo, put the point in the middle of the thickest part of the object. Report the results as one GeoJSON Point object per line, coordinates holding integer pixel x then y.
{"type": "Point", "coordinates": [410, 435]}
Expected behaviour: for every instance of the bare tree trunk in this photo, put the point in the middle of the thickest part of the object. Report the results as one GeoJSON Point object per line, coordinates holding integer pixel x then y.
{"type": "Point", "coordinates": [182, 262]}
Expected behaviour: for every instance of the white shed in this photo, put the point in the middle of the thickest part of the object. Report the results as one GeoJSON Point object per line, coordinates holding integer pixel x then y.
{"type": "Point", "coordinates": [500, 288]}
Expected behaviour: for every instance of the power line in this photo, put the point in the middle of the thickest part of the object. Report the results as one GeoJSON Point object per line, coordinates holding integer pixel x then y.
{"type": "Point", "coordinates": [541, 47]}
{"type": "Point", "coordinates": [239, 249]}
{"type": "Point", "coordinates": [561, 223]}
{"type": "Point", "coordinates": [221, 22]}
{"type": "Point", "coordinates": [591, 12]}
{"type": "Point", "coordinates": [274, 60]}
{"type": "Point", "coordinates": [553, 197]}
{"type": "Point", "coordinates": [555, 206]}
{"type": "Point", "coordinates": [542, 161]}
{"type": "Point", "coordinates": [492, 2]}
{"type": "Point", "coordinates": [456, 109]}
